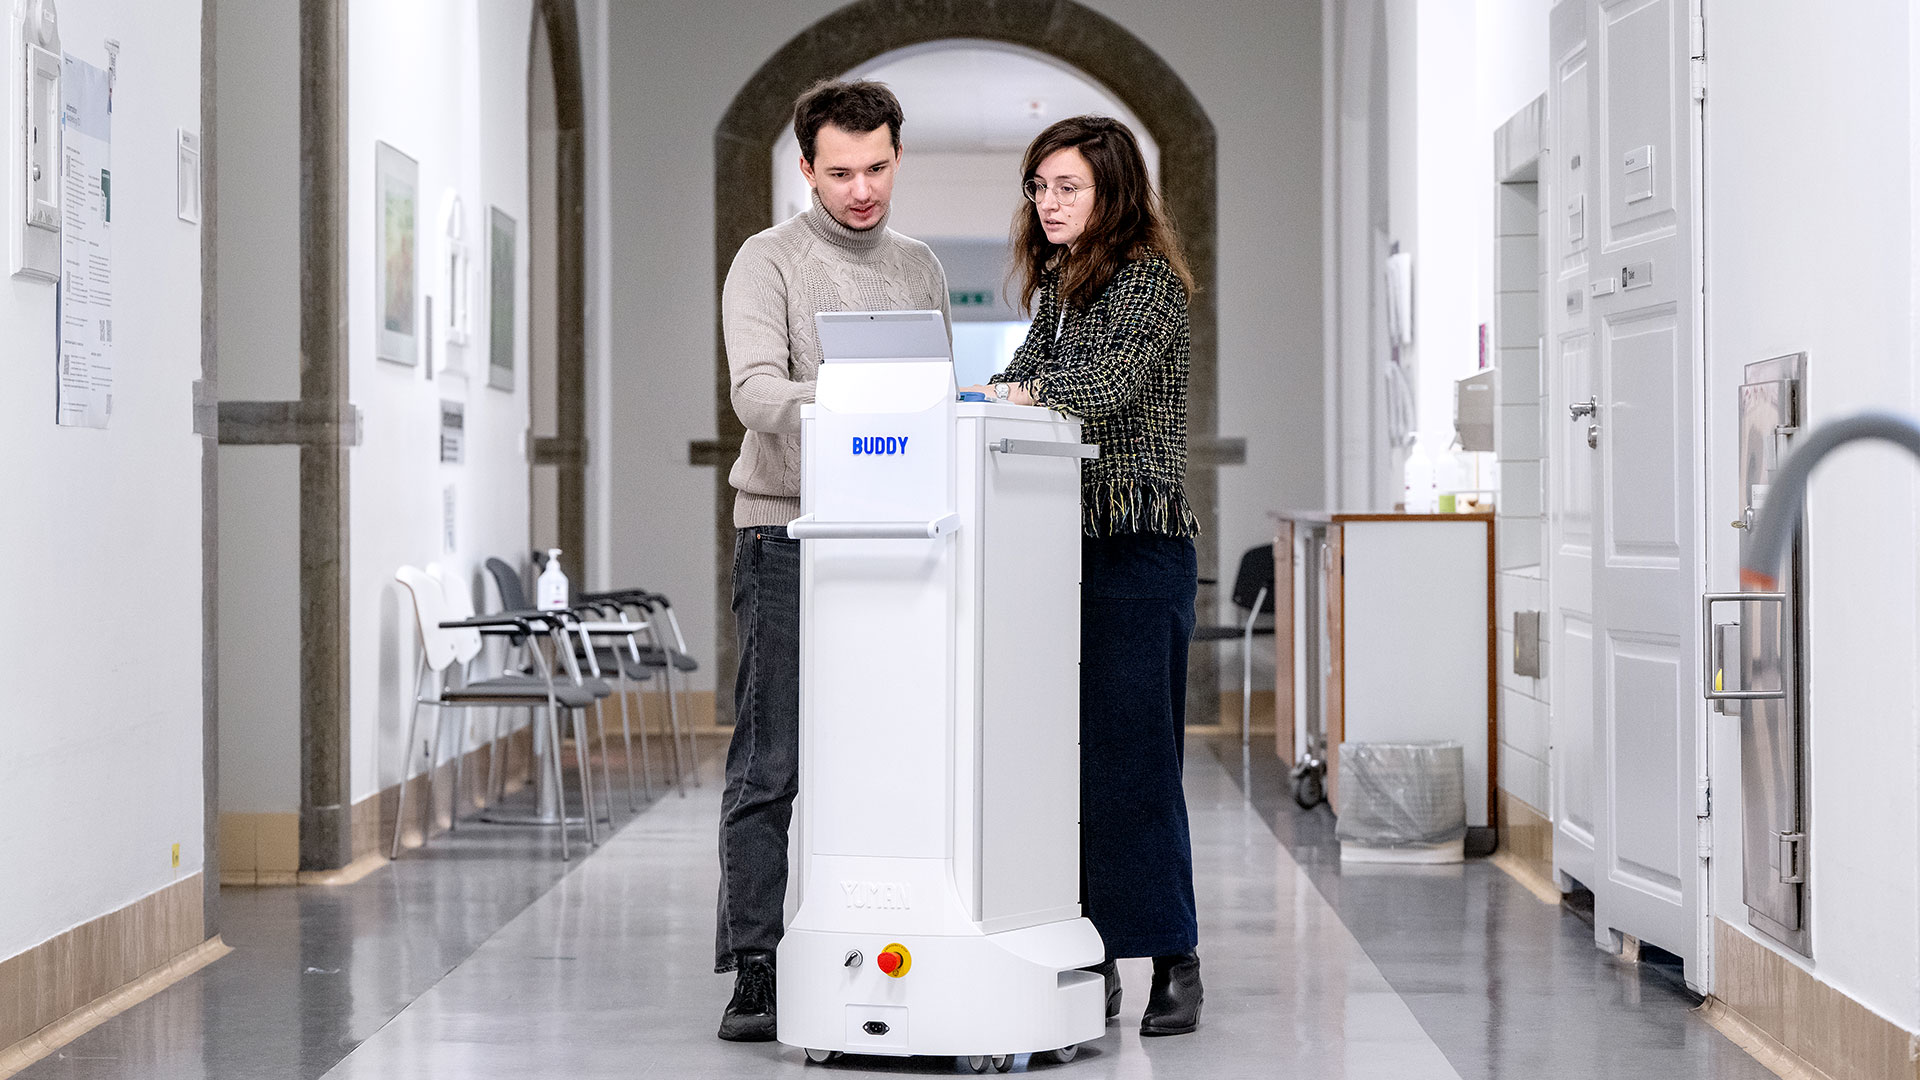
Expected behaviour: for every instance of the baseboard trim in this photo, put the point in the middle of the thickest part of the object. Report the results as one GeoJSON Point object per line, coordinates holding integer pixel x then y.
{"type": "Point", "coordinates": [64, 986]}
{"type": "Point", "coordinates": [1796, 1025]}
{"type": "Point", "coordinates": [1759, 1045]}
{"type": "Point", "coordinates": [1523, 872]}
{"type": "Point", "coordinates": [1526, 837]}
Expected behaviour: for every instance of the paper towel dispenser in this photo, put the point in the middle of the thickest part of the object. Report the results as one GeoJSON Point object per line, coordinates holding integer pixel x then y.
{"type": "Point", "coordinates": [1473, 411]}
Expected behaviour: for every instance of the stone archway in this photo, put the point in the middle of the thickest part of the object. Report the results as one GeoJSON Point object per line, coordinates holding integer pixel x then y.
{"type": "Point", "coordinates": [1098, 47]}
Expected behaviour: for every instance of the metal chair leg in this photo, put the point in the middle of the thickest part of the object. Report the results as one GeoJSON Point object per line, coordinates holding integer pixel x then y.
{"type": "Point", "coordinates": [494, 750]}
{"type": "Point", "coordinates": [693, 748]}
{"type": "Point", "coordinates": [406, 761]}
{"type": "Point", "coordinates": [606, 773]}
{"type": "Point", "coordinates": [673, 720]}
{"type": "Point", "coordinates": [459, 759]}
{"type": "Point", "coordinates": [584, 768]}
{"type": "Point", "coordinates": [626, 737]}
{"type": "Point", "coordinates": [556, 777]}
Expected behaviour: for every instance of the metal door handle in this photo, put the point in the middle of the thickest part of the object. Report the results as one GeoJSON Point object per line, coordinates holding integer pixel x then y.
{"type": "Point", "coordinates": [1707, 666]}
{"type": "Point", "coordinates": [1589, 407]}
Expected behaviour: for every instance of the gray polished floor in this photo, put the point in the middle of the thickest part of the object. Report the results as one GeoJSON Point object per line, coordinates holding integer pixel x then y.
{"type": "Point", "coordinates": [483, 959]}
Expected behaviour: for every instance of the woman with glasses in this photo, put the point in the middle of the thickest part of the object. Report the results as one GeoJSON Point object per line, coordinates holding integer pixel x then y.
{"type": "Point", "coordinates": [1110, 344]}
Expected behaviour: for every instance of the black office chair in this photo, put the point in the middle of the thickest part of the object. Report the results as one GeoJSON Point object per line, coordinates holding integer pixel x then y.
{"type": "Point", "coordinates": [1252, 594]}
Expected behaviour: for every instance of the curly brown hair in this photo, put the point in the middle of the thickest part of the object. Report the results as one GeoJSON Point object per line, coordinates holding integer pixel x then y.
{"type": "Point", "coordinates": [1127, 222]}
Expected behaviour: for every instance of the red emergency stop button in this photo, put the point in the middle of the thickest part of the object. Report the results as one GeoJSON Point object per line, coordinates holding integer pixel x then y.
{"type": "Point", "coordinates": [894, 960]}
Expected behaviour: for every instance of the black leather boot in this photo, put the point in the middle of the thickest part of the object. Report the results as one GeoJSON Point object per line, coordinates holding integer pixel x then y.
{"type": "Point", "coordinates": [749, 1016]}
{"type": "Point", "coordinates": [1109, 971]}
{"type": "Point", "coordinates": [1173, 1007]}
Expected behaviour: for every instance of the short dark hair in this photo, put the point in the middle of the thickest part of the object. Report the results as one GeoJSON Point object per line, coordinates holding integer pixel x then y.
{"type": "Point", "coordinates": [856, 107]}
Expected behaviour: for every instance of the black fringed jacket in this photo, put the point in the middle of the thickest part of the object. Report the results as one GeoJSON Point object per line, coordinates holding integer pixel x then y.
{"type": "Point", "coordinates": [1121, 366]}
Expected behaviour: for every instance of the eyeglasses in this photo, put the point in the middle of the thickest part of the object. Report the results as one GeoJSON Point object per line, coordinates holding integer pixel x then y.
{"type": "Point", "coordinates": [1066, 193]}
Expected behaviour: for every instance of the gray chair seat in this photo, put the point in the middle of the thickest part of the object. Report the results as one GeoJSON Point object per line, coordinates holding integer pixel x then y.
{"type": "Point", "coordinates": [654, 656]}
{"type": "Point", "coordinates": [521, 690]}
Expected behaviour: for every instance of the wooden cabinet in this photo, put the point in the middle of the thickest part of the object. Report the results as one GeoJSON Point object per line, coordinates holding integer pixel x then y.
{"type": "Point", "coordinates": [1385, 632]}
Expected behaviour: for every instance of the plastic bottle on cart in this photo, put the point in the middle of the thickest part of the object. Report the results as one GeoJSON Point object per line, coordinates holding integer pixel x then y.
{"type": "Point", "coordinates": [553, 583]}
{"type": "Point", "coordinates": [1421, 495]}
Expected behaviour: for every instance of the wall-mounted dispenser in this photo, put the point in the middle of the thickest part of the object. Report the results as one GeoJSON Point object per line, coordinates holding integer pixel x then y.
{"type": "Point", "coordinates": [1400, 298]}
{"type": "Point", "coordinates": [1473, 411]}
{"type": "Point", "coordinates": [33, 147]}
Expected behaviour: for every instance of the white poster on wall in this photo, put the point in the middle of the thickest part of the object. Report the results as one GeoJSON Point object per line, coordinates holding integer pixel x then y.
{"type": "Point", "coordinates": [85, 296]}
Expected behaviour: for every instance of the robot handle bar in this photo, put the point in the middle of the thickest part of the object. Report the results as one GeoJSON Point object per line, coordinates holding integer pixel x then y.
{"type": "Point", "coordinates": [807, 527]}
{"type": "Point", "coordinates": [1038, 448]}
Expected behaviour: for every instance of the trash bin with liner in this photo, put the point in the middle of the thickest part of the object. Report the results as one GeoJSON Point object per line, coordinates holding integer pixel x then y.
{"type": "Point", "coordinates": [1402, 802]}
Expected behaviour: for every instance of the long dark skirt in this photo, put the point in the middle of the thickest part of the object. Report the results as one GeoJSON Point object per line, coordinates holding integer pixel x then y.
{"type": "Point", "coordinates": [1136, 619]}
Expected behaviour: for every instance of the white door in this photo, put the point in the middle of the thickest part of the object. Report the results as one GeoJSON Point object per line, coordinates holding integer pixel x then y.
{"type": "Point", "coordinates": [1569, 476]}
{"type": "Point", "coordinates": [1644, 314]}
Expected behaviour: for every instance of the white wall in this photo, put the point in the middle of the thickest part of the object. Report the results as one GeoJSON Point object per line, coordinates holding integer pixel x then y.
{"type": "Point", "coordinates": [1254, 66]}
{"type": "Point", "coordinates": [1453, 155]}
{"type": "Point", "coordinates": [258, 338]}
{"type": "Point", "coordinates": [102, 771]}
{"type": "Point", "coordinates": [444, 82]}
{"type": "Point", "coordinates": [1811, 246]}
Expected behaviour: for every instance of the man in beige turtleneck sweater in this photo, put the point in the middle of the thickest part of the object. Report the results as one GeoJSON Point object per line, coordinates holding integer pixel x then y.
{"type": "Point", "coordinates": [838, 255]}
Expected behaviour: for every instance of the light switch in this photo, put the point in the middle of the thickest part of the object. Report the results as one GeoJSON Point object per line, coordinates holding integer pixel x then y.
{"type": "Point", "coordinates": [1636, 173]}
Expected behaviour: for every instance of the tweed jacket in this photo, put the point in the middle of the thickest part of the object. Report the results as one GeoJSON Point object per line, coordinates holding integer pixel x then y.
{"type": "Point", "coordinates": [1120, 365]}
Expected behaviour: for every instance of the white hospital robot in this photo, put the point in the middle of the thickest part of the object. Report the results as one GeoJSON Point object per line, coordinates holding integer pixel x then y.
{"type": "Point", "coordinates": [937, 826]}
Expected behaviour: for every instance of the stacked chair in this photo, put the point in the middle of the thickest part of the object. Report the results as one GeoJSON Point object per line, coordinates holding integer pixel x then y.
{"type": "Point", "coordinates": [450, 638]}
{"type": "Point", "coordinates": [628, 616]}
{"type": "Point", "coordinates": [607, 636]}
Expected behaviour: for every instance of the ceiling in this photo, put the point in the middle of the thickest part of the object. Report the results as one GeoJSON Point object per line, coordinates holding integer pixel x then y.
{"type": "Point", "coordinates": [981, 96]}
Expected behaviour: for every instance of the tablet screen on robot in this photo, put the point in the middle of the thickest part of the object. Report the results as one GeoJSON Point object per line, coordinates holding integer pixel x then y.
{"type": "Point", "coordinates": [867, 336]}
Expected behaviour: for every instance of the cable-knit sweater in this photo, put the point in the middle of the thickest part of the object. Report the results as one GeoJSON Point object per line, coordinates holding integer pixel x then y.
{"type": "Point", "coordinates": [779, 280]}
{"type": "Point", "coordinates": [1121, 365]}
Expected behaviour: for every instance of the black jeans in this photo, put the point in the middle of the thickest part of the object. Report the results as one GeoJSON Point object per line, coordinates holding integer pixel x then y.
{"type": "Point", "coordinates": [763, 762]}
{"type": "Point", "coordinates": [1136, 619]}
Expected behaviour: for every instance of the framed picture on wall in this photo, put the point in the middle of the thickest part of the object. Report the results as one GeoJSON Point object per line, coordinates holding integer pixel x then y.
{"type": "Point", "coordinates": [502, 259]}
{"type": "Point", "coordinates": [396, 275]}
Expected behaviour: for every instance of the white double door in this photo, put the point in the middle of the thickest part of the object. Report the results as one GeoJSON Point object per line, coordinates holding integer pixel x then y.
{"type": "Point", "coordinates": [1629, 728]}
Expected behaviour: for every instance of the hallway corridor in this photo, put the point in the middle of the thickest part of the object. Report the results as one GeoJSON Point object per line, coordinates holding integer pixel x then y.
{"type": "Point", "coordinates": [1311, 971]}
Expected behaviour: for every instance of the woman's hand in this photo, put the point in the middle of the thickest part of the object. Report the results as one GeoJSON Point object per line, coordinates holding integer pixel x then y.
{"type": "Point", "coordinates": [1016, 393]}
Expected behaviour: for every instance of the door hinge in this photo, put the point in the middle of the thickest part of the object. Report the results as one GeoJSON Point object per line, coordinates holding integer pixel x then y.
{"type": "Point", "coordinates": [1792, 856]}
{"type": "Point", "coordinates": [1697, 78]}
{"type": "Point", "coordinates": [1703, 798]}
{"type": "Point", "coordinates": [1697, 37]}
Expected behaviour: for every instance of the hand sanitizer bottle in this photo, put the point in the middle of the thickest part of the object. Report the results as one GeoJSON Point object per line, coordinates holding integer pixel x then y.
{"type": "Point", "coordinates": [553, 583]}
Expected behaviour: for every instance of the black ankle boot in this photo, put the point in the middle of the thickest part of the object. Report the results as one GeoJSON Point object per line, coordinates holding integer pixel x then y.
{"type": "Point", "coordinates": [1173, 1007]}
{"type": "Point", "coordinates": [1109, 972]}
{"type": "Point", "coordinates": [749, 1016]}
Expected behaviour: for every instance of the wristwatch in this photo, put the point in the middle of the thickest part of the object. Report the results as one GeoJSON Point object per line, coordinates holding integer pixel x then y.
{"type": "Point", "coordinates": [1001, 390]}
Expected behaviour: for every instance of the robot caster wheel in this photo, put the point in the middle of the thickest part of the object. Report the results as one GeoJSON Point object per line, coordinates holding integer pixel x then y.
{"type": "Point", "coordinates": [821, 1057]}
{"type": "Point", "coordinates": [1060, 1056]}
{"type": "Point", "coordinates": [980, 1063]}
{"type": "Point", "coordinates": [1309, 789]}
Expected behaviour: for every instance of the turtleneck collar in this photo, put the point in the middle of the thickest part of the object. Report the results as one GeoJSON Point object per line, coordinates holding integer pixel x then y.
{"type": "Point", "coordinates": [828, 228]}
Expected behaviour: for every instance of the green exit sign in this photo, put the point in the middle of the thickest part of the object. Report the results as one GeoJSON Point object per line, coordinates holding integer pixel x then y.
{"type": "Point", "coordinates": [962, 298]}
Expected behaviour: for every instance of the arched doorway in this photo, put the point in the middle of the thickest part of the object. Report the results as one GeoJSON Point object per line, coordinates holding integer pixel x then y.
{"type": "Point", "coordinates": [1068, 32]}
